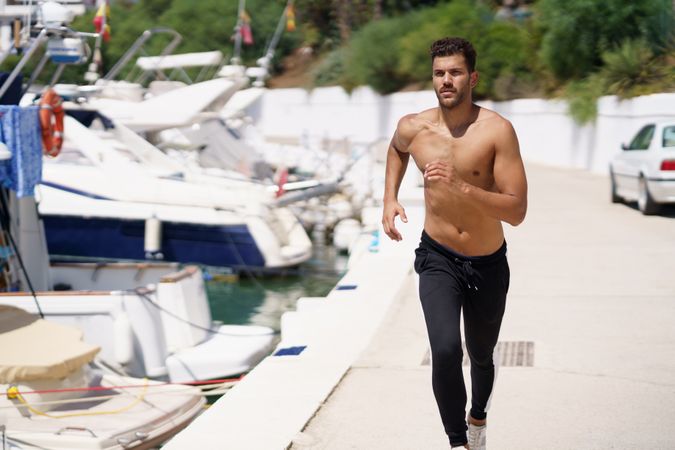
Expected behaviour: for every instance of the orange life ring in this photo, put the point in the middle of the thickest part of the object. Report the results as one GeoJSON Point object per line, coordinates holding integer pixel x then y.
{"type": "Point", "coordinates": [51, 122]}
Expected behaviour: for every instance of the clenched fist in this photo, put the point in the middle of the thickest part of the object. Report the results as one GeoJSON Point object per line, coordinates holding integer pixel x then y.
{"type": "Point", "coordinates": [392, 208]}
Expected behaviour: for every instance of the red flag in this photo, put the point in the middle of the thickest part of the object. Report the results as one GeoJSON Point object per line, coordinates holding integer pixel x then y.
{"type": "Point", "coordinates": [282, 173]}
{"type": "Point", "coordinates": [246, 34]}
{"type": "Point", "coordinates": [245, 30]}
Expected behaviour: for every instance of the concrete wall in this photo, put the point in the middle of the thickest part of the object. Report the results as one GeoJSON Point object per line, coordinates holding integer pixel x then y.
{"type": "Point", "coordinates": [547, 134]}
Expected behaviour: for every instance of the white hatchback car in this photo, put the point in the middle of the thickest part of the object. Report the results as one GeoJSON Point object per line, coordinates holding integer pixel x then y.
{"type": "Point", "coordinates": [645, 169]}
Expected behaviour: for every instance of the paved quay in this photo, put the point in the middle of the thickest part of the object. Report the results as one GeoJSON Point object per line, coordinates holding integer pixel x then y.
{"type": "Point", "coordinates": [593, 287]}
{"type": "Point", "coordinates": [592, 291]}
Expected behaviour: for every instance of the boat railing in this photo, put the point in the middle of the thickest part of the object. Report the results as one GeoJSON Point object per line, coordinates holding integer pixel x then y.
{"type": "Point", "coordinates": [139, 46]}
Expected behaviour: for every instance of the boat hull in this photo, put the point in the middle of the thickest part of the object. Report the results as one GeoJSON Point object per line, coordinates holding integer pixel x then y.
{"type": "Point", "coordinates": [72, 238]}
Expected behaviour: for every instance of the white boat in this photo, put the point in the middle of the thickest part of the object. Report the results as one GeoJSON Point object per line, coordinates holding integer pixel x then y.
{"type": "Point", "coordinates": [52, 398]}
{"type": "Point", "coordinates": [163, 330]}
{"type": "Point", "coordinates": [101, 195]}
{"type": "Point", "coordinates": [188, 121]}
{"type": "Point", "coordinates": [149, 320]}
{"type": "Point", "coordinates": [145, 319]}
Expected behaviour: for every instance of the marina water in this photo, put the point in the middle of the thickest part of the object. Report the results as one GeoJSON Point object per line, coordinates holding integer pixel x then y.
{"type": "Point", "coordinates": [261, 300]}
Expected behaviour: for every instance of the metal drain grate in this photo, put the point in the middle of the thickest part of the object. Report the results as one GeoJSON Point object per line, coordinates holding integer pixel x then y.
{"type": "Point", "coordinates": [511, 354]}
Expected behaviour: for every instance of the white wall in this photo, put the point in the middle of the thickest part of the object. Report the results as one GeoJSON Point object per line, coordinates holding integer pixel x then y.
{"type": "Point", "coordinates": [547, 134]}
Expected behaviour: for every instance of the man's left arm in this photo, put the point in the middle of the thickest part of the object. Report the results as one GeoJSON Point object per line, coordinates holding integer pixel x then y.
{"type": "Point", "coordinates": [509, 203]}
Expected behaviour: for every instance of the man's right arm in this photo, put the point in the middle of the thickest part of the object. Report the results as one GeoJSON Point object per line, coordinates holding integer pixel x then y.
{"type": "Point", "coordinates": [397, 162]}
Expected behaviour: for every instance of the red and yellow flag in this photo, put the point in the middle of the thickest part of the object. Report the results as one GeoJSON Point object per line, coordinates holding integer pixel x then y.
{"type": "Point", "coordinates": [101, 21]}
{"type": "Point", "coordinates": [290, 17]}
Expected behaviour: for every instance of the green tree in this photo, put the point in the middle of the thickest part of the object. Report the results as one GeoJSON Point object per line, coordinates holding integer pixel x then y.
{"type": "Point", "coordinates": [577, 32]}
{"type": "Point", "coordinates": [458, 18]}
{"type": "Point", "coordinates": [373, 56]}
{"type": "Point", "coordinates": [503, 60]}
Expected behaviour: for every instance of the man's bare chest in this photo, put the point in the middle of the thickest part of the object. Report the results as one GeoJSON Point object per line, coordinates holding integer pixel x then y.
{"type": "Point", "coordinates": [472, 155]}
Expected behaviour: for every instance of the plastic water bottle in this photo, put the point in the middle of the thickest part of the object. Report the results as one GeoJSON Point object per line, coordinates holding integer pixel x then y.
{"type": "Point", "coordinates": [374, 246]}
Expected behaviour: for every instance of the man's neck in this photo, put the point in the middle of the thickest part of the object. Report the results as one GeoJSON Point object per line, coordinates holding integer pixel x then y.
{"type": "Point", "coordinates": [458, 118]}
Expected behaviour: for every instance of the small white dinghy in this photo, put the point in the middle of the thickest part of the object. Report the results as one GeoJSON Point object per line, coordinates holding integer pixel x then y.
{"type": "Point", "coordinates": [51, 398]}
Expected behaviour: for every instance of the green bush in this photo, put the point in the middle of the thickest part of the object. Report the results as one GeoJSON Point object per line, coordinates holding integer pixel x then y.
{"type": "Point", "coordinates": [582, 98]}
{"type": "Point", "coordinates": [333, 70]}
{"type": "Point", "coordinates": [629, 70]}
{"type": "Point", "coordinates": [632, 70]}
{"type": "Point", "coordinates": [577, 32]}
{"type": "Point", "coordinates": [504, 48]}
{"type": "Point", "coordinates": [502, 59]}
{"type": "Point", "coordinates": [458, 18]}
{"type": "Point", "coordinates": [373, 57]}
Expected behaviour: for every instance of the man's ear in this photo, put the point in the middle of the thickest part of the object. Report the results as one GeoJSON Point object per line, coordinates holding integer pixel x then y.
{"type": "Point", "coordinates": [474, 79]}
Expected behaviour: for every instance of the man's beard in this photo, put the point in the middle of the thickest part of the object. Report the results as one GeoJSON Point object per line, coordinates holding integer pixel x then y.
{"type": "Point", "coordinates": [450, 103]}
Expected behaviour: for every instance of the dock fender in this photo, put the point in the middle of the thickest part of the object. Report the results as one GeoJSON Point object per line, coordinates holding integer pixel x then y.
{"type": "Point", "coordinates": [124, 340]}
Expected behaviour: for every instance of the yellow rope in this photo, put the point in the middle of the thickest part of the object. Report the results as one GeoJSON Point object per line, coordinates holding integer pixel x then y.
{"type": "Point", "coordinates": [13, 393]}
{"type": "Point", "coordinates": [219, 390]}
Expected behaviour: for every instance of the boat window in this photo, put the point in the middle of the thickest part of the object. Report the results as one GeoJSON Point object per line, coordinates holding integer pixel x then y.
{"type": "Point", "coordinates": [642, 140]}
{"type": "Point", "coordinates": [669, 136]}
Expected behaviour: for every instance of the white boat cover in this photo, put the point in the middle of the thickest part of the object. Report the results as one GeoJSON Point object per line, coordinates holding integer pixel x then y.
{"type": "Point", "coordinates": [175, 108]}
{"type": "Point", "coordinates": [198, 59]}
{"type": "Point", "coordinates": [36, 349]}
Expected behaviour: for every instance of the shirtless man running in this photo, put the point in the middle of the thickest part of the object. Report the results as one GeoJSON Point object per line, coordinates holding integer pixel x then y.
{"type": "Point", "coordinates": [474, 180]}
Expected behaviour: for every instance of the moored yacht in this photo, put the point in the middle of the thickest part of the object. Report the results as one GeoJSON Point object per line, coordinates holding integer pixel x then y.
{"type": "Point", "coordinates": [110, 193]}
{"type": "Point", "coordinates": [53, 398]}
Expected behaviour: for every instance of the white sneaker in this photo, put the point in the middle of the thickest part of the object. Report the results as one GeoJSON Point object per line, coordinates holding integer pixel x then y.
{"type": "Point", "coordinates": [477, 436]}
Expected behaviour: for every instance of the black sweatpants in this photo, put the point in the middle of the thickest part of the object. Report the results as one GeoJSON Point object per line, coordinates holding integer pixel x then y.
{"type": "Point", "coordinates": [450, 282]}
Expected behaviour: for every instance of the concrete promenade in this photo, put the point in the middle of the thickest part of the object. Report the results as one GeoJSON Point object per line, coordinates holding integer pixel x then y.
{"type": "Point", "coordinates": [593, 287]}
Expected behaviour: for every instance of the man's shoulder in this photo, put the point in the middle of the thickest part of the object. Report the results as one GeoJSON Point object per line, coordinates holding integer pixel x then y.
{"type": "Point", "coordinates": [497, 129]}
{"type": "Point", "coordinates": [485, 114]}
{"type": "Point", "coordinates": [493, 122]}
{"type": "Point", "coordinates": [411, 124]}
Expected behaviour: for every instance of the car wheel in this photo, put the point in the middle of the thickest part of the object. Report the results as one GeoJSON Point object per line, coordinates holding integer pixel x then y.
{"type": "Point", "coordinates": [615, 197]}
{"type": "Point", "coordinates": [645, 202]}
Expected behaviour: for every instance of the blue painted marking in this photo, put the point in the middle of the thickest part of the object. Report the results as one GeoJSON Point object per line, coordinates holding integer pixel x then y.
{"type": "Point", "coordinates": [346, 287]}
{"type": "Point", "coordinates": [74, 191]}
{"type": "Point", "coordinates": [290, 351]}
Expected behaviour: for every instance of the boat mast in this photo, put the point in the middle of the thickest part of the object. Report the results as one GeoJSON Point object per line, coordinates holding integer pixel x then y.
{"type": "Point", "coordinates": [266, 60]}
{"type": "Point", "coordinates": [96, 66]}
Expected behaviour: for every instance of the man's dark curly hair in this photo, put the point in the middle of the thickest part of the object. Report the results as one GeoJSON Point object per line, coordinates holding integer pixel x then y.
{"type": "Point", "coordinates": [449, 46]}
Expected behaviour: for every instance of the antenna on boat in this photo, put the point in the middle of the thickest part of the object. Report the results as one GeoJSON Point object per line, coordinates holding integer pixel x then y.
{"type": "Point", "coordinates": [64, 46]}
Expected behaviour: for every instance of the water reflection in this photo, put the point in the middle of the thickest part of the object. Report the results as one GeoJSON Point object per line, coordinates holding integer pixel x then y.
{"type": "Point", "coordinates": [262, 301]}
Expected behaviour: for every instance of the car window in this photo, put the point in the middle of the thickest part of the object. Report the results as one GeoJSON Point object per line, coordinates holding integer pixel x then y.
{"type": "Point", "coordinates": [642, 139]}
{"type": "Point", "coordinates": [669, 136]}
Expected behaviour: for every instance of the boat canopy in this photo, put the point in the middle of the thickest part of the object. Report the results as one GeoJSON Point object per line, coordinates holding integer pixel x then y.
{"type": "Point", "coordinates": [36, 349]}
